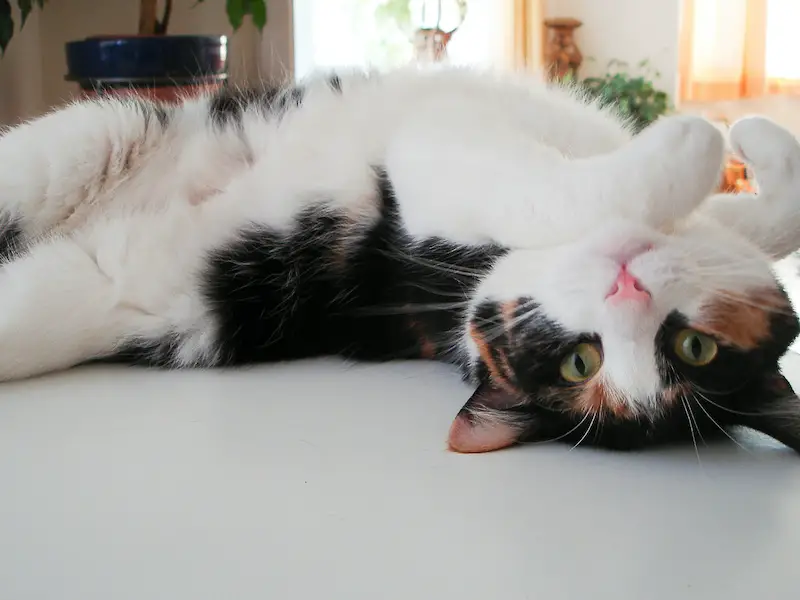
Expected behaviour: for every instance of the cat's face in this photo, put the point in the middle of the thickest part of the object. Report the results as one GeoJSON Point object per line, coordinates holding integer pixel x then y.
{"type": "Point", "coordinates": [629, 338]}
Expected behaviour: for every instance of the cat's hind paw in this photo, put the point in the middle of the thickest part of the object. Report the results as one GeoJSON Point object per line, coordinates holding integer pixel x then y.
{"type": "Point", "coordinates": [677, 161]}
{"type": "Point", "coordinates": [771, 151]}
{"type": "Point", "coordinates": [696, 144]}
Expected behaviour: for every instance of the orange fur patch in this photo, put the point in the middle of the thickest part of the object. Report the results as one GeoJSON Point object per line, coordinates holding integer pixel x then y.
{"type": "Point", "coordinates": [741, 321]}
{"type": "Point", "coordinates": [427, 349]}
{"type": "Point", "coordinates": [500, 373]}
{"type": "Point", "coordinates": [673, 394]}
{"type": "Point", "coordinates": [509, 311]}
{"type": "Point", "coordinates": [341, 247]}
{"type": "Point", "coordinates": [594, 397]}
{"type": "Point", "coordinates": [426, 346]}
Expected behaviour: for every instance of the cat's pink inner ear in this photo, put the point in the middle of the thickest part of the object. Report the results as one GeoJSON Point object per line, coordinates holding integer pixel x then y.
{"type": "Point", "coordinates": [470, 436]}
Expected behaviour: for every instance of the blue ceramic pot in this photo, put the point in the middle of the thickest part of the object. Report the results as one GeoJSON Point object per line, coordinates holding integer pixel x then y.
{"type": "Point", "coordinates": [107, 63]}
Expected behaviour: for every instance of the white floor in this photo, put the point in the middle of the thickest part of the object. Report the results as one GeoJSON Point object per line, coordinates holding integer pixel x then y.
{"type": "Point", "coordinates": [322, 480]}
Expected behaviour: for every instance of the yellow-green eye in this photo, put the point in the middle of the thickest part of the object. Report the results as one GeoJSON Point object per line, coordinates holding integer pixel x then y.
{"type": "Point", "coordinates": [695, 348]}
{"type": "Point", "coordinates": [582, 363]}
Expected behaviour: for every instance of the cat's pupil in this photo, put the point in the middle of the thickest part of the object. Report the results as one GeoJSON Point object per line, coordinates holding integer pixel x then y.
{"type": "Point", "coordinates": [580, 365]}
{"type": "Point", "coordinates": [695, 347]}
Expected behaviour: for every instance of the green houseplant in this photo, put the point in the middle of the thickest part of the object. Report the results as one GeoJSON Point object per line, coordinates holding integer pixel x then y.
{"type": "Point", "coordinates": [150, 63]}
{"type": "Point", "coordinates": [635, 97]}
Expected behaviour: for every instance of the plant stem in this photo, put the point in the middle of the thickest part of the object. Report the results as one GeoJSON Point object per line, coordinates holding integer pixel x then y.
{"type": "Point", "coordinates": [163, 24]}
{"type": "Point", "coordinates": [147, 17]}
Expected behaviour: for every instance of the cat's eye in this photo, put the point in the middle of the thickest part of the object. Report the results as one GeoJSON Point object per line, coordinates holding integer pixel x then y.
{"type": "Point", "coordinates": [582, 363]}
{"type": "Point", "coordinates": [695, 348]}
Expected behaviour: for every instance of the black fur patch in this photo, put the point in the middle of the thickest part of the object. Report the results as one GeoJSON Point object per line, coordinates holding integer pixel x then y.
{"type": "Point", "coordinates": [288, 99]}
{"type": "Point", "coordinates": [229, 104]}
{"type": "Point", "coordinates": [11, 237]}
{"type": "Point", "coordinates": [153, 111]}
{"type": "Point", "coordinates": [161, 113]}
{"type": "Point", "coordinates": [286, 296]}
{"type": "Point", "coordinates": [335, 83]}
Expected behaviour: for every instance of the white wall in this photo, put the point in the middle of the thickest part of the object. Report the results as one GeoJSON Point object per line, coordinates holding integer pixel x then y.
{"type": "Point", "coordinates": [629, 30]}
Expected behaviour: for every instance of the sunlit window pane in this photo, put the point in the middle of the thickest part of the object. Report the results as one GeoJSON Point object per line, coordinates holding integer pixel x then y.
{"type": "Point", "coordinates": [719, 39]}
{"type": "Point", "coordinates": [783, 39]}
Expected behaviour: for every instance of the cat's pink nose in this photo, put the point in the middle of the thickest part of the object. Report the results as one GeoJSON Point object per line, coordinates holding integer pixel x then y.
{"type": "Point", "coordinates": [627, 288]}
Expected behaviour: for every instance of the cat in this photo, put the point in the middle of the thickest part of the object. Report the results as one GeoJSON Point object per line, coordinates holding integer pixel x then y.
{"type": "Point", "coordinates": [587, 281]}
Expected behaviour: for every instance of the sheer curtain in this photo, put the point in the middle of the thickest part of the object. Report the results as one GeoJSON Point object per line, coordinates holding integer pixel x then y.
{"type": "Point", "coordinates": [739, 48]}
{"type": "Point", "coordinates": [505, 34]}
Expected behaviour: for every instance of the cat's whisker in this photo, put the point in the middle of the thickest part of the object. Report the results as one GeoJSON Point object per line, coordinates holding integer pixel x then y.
{"type": "Point", "coordinates": [588, 429]}
{"type": "Point", "coordinates": [694, 419]}
{"type": "Point", "coordinates": [742, 299]}
{"type": "Point", "coordinates": [563, 435]}
{"type": "Point", "coordinates": [601, 411]}
{"type": "Point", "coordinates": [435, 292]}
{"type": "Point", "coordinates": [691, 431]}
{"type": "Point", "coordinates": [412, 308]}
{"type": "Point", "coordinates": [766, 413]}
{"type": "Point", "coordinates": [442, 267]}
{"type": "Point", "coordinates": [715, 422]}
{"type": "Point", "coordinates": [736, 273]}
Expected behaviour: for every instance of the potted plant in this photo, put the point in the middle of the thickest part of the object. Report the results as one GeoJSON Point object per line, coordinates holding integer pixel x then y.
{"type": "Point", "coordinates": [635, 97]}
{"type": "Point", "coordinates": [151, 62]}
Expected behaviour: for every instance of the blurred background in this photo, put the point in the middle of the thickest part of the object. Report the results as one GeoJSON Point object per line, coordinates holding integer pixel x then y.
{"type": "Point", "coordinates": [720, 58]}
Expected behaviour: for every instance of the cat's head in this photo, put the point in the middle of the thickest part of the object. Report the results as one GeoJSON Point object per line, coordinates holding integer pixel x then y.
{"type": "Point", "coordinates": [628, 338]}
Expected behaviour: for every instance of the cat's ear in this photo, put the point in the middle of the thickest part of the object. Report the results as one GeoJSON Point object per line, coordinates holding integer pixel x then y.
{"type": "Point", "coordinates": [777, 412]}
{"type": "Point", "coordinates": [488, 421]}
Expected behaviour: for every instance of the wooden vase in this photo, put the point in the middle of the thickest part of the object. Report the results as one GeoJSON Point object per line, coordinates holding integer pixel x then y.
{"type": "Point", "coordinates": [562, 57]}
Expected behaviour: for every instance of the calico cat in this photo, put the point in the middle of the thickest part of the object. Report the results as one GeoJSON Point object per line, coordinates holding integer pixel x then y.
{"type": "Point", "coordinates": [587, 281]}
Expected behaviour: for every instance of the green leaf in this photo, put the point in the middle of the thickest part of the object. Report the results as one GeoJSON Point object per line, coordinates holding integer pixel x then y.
{"type": "Point", "coordinates": [396, 11]}
{"type": "Point", "coordinates": [25, 8]}
{"type": "Point", "coordinates": [258, 12]}
{"type": "Point", "coordinates": [6, 25]}
{"type": "Point", "coordinates": [236, 10]}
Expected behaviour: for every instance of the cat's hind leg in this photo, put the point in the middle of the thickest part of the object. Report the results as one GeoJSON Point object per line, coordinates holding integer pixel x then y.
{"type": "Point", "coordinates": [493, 181]}
{"type": "Point", "coordinates": [53, 166]}
{"type": "Point", "coordinates": [57, 309]}
{"type": "Point", "coordinates": [118, 285]}
{"type": "Point", "coordinates": [769, 218]}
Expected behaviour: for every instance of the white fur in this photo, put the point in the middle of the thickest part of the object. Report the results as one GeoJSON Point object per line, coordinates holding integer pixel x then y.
{"type": "Point", "coordinates": [124, 209]}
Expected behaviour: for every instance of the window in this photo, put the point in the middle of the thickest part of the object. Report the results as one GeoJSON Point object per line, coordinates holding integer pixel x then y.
{"type": "Point", "coordinates": [377, 33]}
{"type": "Point", "coordinates": [783, 41]}
{"type": "Point", "coordinates": [739, 48]}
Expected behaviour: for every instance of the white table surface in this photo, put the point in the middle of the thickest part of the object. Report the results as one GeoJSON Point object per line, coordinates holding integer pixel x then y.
{"type": "Point", "coordinates": [326, 480]}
